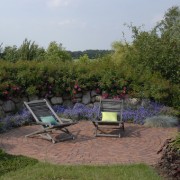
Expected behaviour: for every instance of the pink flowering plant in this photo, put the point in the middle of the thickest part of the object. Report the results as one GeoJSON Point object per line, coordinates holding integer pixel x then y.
{"type": "Point", "coordinates": [47, 79]}
{"type": "Point", "coordinates": [8, 90]}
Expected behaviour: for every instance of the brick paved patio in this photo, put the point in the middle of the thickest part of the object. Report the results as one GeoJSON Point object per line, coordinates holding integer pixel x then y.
{"type": "Point", "coordinates": [138, 145]}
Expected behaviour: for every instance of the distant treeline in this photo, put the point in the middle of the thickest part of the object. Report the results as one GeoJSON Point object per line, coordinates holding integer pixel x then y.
{"type": "Point", "coordinates": [92, 54]}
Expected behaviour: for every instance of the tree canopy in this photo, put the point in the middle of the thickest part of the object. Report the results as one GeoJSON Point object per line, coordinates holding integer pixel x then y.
{"type": "Point", "coordinates": [154, 53]}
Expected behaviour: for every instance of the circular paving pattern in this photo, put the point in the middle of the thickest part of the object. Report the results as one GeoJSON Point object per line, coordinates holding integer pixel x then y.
{"type": "Point", "coordinates": [138, 144]}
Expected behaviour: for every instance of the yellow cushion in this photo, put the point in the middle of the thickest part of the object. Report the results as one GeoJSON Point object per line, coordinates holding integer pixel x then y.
{"type": "Point", "coordinates": [109, 116]}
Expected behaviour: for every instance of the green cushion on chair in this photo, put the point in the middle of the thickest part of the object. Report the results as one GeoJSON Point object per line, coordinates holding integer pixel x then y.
{"type": "Point", "coordinates": [49, 119]}
{"type": "Point", "coordinates": [109, 116]}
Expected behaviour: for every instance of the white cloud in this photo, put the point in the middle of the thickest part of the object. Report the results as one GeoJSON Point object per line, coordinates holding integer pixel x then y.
{"type": "Point", "coordinates": [72, 23]}
{"type": "Point", "coordinates": [58, 3]}
{"type": "Point", "coordinates": [65, 22]}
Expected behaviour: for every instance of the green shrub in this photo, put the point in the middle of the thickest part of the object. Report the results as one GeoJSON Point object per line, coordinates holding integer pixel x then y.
{"type": "Point", "coordinates": [152, 60]}
{"type": "Point", "coordinates": [46, 78]}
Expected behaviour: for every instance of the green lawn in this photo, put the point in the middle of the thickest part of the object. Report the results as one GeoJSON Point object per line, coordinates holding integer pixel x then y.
{"type": "Point", "coordinates": [19, 167]}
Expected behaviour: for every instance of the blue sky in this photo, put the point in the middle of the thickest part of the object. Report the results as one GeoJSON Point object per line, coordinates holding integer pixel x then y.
{"type": "Point", "coordinates": [77, 24]}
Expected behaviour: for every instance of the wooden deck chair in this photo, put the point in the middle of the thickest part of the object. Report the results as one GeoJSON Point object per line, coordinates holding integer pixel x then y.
{"type": "Point", "coordinates": [109, 117]}
{"type": "Point", "coordinates": [45, 116]}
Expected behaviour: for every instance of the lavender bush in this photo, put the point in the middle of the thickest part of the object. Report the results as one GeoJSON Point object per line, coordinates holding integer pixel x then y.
{"type": "Point", "coordinates": [136, 115]}
{"type": "Point", "coordinates": [82, 112]}
{"type": "Point", "coordinates": [15, 120]}
{"type": "Point", "coordinates": [139, 114]}
{"type": "Point", "coordinates": [78, 112]}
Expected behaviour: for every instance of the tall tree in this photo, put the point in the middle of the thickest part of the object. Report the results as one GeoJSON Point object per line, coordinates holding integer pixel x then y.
{"type": "Point", "coordinates": [169, 30]}
{"type": "Point", "coordinates": [10, 53]}
{"type": "Point", "coordinates": [55, 51]}
{"type": "Point", "coordinates": [30, 51]}
{"type": "Point", "coordinates": [157, 50]}
{"type": "Point", "coordinates": [1, 51]}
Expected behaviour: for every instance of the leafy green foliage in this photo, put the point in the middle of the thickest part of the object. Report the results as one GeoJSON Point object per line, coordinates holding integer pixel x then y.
{"type": "Point", "coordinates": [152, 60]}
{"type": "Point", "coordinates": [169, 36]}
{"type": "Point", "coordinates": [166, 46]}
{"type": "Point", "coordinates": [1, 50]}
{"type": "Point", "coordinates": [10, 163]}
{"type": "Point", "coordinates": [55, 51]}
{"type": "Point", "coordinates": [45, 78]}
{"type": "Point", "coordinates": [176, 142]}
{"type": "Point", "coordinates": [10, 53]}
{"type": "Point", "coordinates": [29, 51]}
{"type": "Point", "coordinates": [146, 68]}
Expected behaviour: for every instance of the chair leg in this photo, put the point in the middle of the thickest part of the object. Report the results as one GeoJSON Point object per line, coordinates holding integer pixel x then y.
{"type": "Point", "coordinates": [119, 132]}
{"type": "Point", "coordinates": [122, 126]}
{"type": "Point", "coordinates": [102, 133]}
{"type": "Point", "coordinates": [35, 133]}
{"type": "Point", "coordinates": [65, 130]}
{"type": "Point", "coordinates": [50, 138]}
{"type": "Point", "coordinates": [95, 132]}
{"type": "Point", "coordinates": [45, 135]}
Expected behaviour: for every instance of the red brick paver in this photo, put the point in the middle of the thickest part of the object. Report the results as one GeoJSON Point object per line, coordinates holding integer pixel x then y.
{"type": "Point", "coordinates": [138, 145]}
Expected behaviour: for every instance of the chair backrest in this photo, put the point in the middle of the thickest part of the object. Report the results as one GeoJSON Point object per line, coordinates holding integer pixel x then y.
{"type": "Point", "coordinates": [111, 105]}
{"type": "Point", "coordinates": [41, 108]}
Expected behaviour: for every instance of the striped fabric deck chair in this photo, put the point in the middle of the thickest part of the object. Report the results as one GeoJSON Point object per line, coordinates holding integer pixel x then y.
{"type": "Point", "coordinates": [45, 116]}
{"type": "Point", "coordinates": [109, 118]}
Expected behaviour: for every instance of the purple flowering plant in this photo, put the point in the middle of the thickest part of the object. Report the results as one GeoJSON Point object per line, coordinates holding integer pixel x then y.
{"type": "Point", "coordinates": [139, 114]}
{"type": "Point", "coordinates": [21, 118]}
{"type": "Point", "coordinates": [80, 111]}
{"type": "Point", "coordinates": [136, 115]}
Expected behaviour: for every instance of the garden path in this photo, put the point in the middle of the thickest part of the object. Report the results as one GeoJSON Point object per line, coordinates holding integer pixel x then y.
{"type": "Point", "coordinates": [138, 145]}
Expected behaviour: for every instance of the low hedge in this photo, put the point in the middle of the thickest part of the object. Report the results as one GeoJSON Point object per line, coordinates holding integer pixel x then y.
{"type": "Point", "coordinates": [46, 78]}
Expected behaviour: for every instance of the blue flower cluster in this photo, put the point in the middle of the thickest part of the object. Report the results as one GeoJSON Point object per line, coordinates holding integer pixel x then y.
{"type": "Point", "coordinates": [15, 120]}
{"type": "Point", "coordinates": [136, 115]}
{"type": "Point", "coordinates": [139, 114]}
{"type": "Point", "coordinates": [79, 111]}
